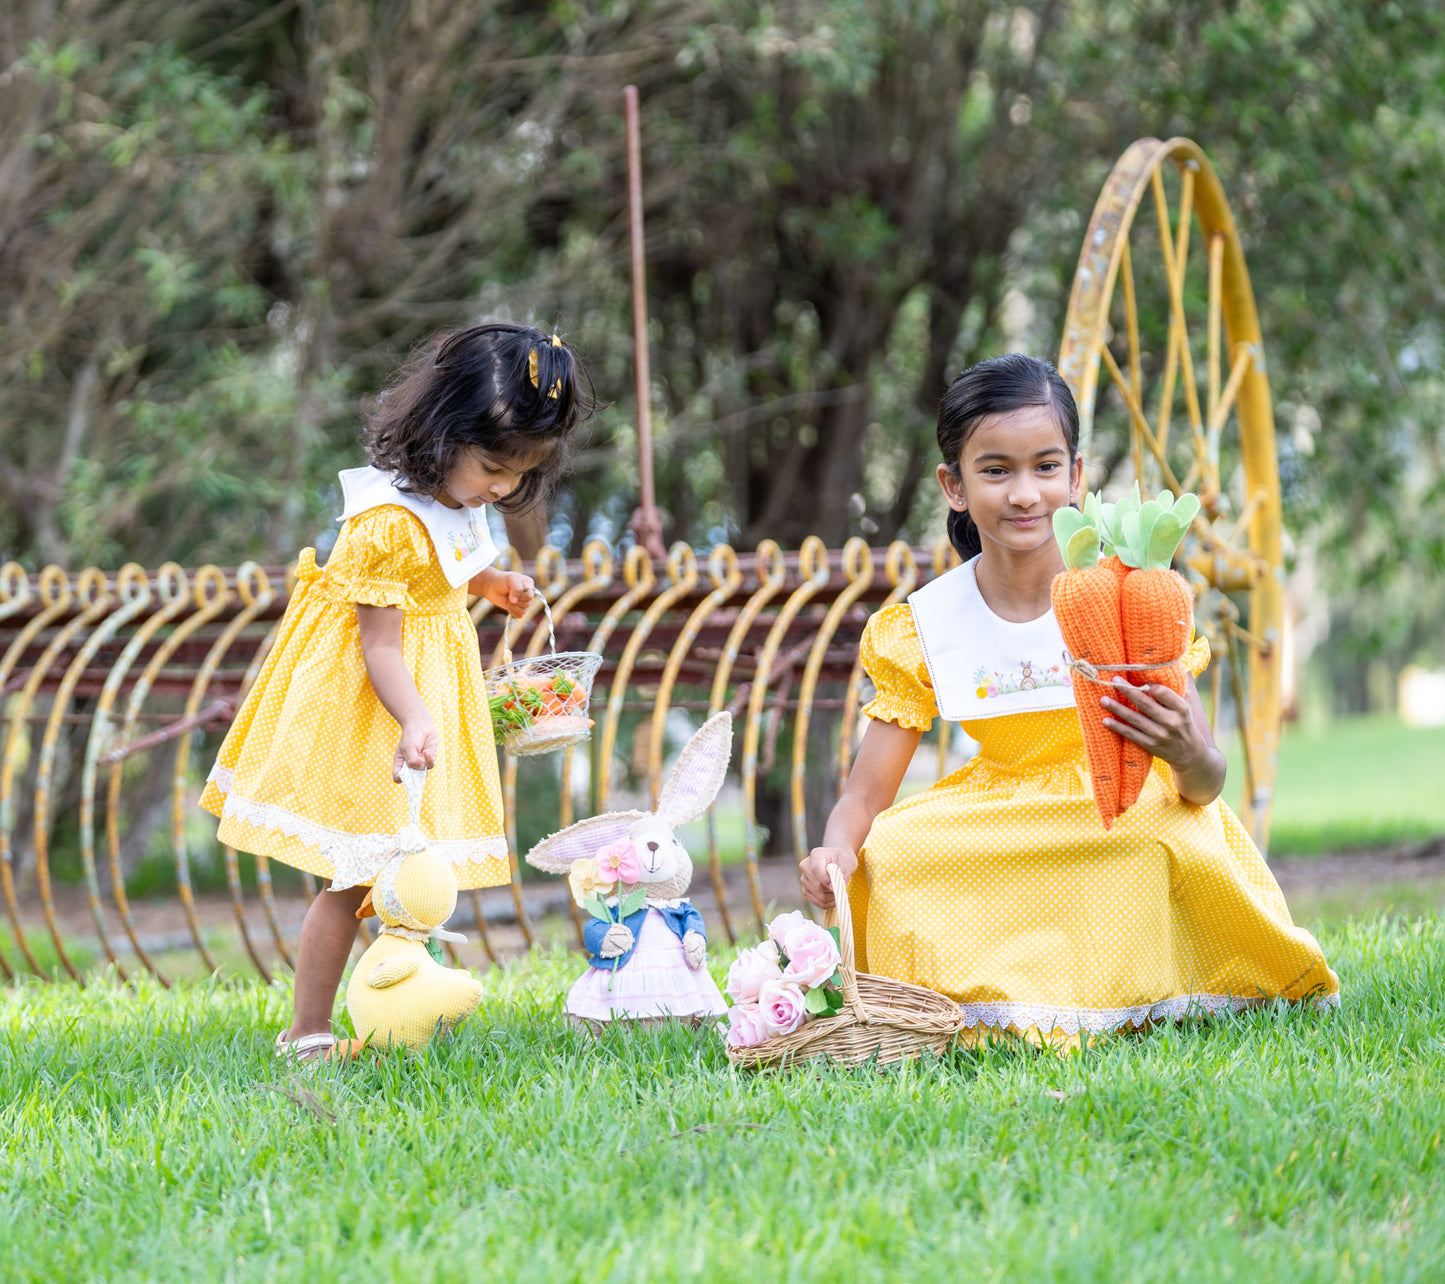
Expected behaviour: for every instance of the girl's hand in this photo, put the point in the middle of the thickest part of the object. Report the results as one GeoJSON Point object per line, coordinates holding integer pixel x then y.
{"type": "Point", "coordinates": [416, 748]}
{"type": "Point", "coordinates": [817, 885]}
{"type": "Point", "coordinates": [1172, 727]}
{"type": "Point", "coordinates": [510, 591]}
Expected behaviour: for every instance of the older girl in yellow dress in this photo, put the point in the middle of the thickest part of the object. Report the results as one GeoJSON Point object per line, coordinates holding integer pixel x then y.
{"type": "Point", "coordinates": [999, 886]}
{"type": "Point", "coordinates": [376, 663]}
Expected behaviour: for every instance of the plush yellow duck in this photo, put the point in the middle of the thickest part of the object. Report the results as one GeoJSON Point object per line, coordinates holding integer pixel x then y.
{"type": "Point", "coordinates": [399, 994]}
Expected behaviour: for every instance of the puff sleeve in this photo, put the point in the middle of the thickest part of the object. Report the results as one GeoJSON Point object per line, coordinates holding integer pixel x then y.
{"type": "Point", "coordinates": [892, 656]}
{"type": "Point", "coordinates": [378, 556]}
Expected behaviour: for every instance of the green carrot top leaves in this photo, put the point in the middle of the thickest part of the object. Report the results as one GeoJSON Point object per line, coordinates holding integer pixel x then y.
{"type": "Point", "coordinates": [1078, 538]}
{"type": "Point", "coordinates": [1146, 534]}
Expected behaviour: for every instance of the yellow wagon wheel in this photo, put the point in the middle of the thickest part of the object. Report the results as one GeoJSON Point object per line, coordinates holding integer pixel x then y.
{"type": "Point", "coordinates": [1150, 299]}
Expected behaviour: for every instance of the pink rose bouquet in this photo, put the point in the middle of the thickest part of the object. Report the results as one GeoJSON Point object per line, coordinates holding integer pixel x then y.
{"type": "Point", "coordinates": [778, 985]}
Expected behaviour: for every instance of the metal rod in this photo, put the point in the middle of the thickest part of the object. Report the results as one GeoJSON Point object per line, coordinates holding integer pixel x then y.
{"type": "Point", "coordinates": [213, 712]}
{"type": "Point", "coordinates": [645, 522]}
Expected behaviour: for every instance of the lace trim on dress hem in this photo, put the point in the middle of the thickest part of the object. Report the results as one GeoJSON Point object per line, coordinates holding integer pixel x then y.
{"type": "Point", "coordinates": [363, 854]}
{"type": "Point", "coordinates": [1046, 1018]}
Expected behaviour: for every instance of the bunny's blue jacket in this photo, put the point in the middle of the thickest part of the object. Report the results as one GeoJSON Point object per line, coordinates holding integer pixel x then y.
{"type": "Point", "coordinates": [682, 920]}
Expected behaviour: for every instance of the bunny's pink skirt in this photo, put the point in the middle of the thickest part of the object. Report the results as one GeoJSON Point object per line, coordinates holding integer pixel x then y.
{"type": "Point", "coordinates": [655, 982]}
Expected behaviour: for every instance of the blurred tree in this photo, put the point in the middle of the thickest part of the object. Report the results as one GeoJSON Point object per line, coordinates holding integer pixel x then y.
{"type": "Point", "coordinates": [211, 248]}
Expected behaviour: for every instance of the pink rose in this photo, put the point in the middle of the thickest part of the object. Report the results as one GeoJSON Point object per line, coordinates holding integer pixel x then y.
{"type": "Point", "coordinates": [783, 924]}
{"type": "Point", "coordinates": [749, 970]}
{"type": "Point", "coordinates": [619, 862]}
{"type": "Point", "coordinates": [783, 1006]}
{"type": "Point", "coordinates": [746, 1026]}
{"type": "Point", "coordinates": [812, 955]}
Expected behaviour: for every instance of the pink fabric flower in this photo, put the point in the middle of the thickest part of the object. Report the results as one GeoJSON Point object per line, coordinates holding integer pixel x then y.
{"type": "Point", "coordinates": [783, 1006]}
{"type": "Point", "coordinates": [746, 1026]}
{"type": "Point", "coordinates": [812, 955]}
{"type": "Point", "coordinates": [750, 969]}
{"type": "Point", "coordinates": [619, 862]}
{"type": "Point", "coordinates": [783, 924]}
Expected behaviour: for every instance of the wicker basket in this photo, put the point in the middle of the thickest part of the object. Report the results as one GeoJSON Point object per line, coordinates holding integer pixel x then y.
{"type": "Point", "coordinates": [881, 1018]}
{"type": "Point", "coordinates": [540, 704]}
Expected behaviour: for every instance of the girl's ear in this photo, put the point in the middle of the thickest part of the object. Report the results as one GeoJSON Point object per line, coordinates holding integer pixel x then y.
{"type": "Point", "coordinates": [699, 773]}
{"type": "Point", "coordinates": [952, 489]}
{"type": "Point", "coordinates": [556, 852]}
{"type": "Point", "coordinates": [1076, 481]}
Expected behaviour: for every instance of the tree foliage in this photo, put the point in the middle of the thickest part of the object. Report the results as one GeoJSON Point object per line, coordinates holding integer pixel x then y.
{"type": "Point", "coordinates": [223, 221]}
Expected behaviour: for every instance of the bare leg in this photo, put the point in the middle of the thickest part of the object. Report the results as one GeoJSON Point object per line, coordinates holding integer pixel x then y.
{"type": "Point", "coordinates": [327, 935]}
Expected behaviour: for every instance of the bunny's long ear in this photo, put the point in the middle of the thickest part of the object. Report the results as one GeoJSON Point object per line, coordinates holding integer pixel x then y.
{"type": "Point", "coordinates": [699, 772]}
{"type": "Point", "coordinates": [556, 852]}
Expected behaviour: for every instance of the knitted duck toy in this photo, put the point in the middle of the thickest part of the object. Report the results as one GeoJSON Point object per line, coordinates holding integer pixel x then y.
{"type": "Point", "coordinates": [399, 994]}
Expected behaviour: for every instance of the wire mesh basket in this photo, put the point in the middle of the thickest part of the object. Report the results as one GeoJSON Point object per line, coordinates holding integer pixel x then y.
{"type": "Point", "coordinates": [540, 704]}
{"type": "Point", "coordinates": [883, 1018]}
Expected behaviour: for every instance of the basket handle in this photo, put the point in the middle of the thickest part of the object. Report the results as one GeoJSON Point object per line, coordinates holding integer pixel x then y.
{"type": "Point", "coordinates": [842, 914]}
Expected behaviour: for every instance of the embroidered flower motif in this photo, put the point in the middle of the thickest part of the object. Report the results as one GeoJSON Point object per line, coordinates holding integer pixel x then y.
{"type": "Point", "coordinates": [584, 879]}
{"type": "Point", "coordinates": [620, 862]}
{"type": "Point", "coordinates": [464, 543]}
{"type": "Point", "coordinates": [1031, 676]}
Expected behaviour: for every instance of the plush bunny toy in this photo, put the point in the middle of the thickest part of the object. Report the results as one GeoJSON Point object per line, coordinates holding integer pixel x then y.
{"type": "Point", "coordinates": [647, 944]}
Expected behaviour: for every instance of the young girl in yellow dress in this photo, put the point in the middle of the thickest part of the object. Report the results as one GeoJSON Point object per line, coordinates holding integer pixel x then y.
{"type": "Point", "coordinates": [999, 886]}
{"type": "Point", "coordinates": [376, 662]}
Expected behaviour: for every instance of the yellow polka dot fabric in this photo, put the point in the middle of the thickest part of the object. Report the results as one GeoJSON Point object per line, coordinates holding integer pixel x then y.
{"type": "Point", "coordinates": [304, 774]}
{"type": "Point", "coordinates": [1000, 887]}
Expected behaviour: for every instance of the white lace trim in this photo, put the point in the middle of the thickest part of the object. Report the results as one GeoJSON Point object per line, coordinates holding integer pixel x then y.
{"type": "Point", "coordinates": [221, 777]}
{"type": "Point", "coordinates": [414, 934]}
{"type": "Point", "coordinates": [1045, 1017]}
{"type": "Point", "coordinates": [363, 855]}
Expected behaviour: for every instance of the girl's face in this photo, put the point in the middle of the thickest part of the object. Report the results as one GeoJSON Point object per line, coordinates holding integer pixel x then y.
{"type": "Point", "coordinates": [478, 478]}
{"type": "Point", "coordinates": [1013, 473]}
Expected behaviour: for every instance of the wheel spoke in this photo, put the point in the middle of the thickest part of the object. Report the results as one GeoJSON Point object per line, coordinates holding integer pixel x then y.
{"type": "Point", "coordinates": [1243, 359]}
{"type": "Point", "coordinates": [1141, 425]}
{"type": "Point", "coordinates": [1136, 382]}
{"type": "Point", "coordinates": [1216, 290]}
{"type": "Point", "coordinates": [1174, 246]}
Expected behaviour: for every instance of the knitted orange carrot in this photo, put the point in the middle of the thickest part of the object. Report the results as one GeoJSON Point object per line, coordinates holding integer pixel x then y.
{"type": "Point", "coordinates": [1086, 604]}
{"type": "Point", "coordinates": [1156, 608]}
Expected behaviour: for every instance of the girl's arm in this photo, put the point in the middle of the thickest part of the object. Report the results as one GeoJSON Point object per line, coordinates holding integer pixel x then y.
{"type": "Point", "coordinates": [1174, 728]}
{"type": "Point", "coordinates": [395, 688]}
{"type": "Point", "coordinates": [509, 591]}
{"type": "Point", "coordinates": [883, 757]}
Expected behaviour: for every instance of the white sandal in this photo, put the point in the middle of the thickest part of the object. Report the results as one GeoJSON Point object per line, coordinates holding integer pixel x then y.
{"type": "Point", "coordinates": [309, 1047]}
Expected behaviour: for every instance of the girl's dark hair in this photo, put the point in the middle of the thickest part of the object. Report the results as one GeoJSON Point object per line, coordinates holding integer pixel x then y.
{"type": "Point", "coordinates": [506, 389]}
{"type": "Point", "coordinates": [994, 387]}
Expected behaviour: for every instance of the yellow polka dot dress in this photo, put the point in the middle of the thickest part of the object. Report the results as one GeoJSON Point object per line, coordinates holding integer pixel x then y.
{"type": "Point", "coordinates": [304, 775]}
{"type": "Point", "coordinates": [1000, 888]}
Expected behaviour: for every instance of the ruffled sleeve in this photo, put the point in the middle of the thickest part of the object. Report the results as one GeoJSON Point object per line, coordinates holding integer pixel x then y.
{"type": "Point", "coordinates": [378, 557]}
{"type": "Point", "coordinates": [892, 656]}
{"type": "Point", "coordinates": [1196, 659]}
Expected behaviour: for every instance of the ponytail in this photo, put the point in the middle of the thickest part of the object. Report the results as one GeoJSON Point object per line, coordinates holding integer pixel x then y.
{"type": "Point", "coordinates": [963, 534]}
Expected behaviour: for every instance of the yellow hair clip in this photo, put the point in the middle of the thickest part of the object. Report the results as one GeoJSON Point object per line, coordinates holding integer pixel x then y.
{"type": "Point", "coordinates": [556, 390]}
{"type": "Point", "coordinates": [532, 367]}
{"type": "Point", "coordinates": [556, 342]}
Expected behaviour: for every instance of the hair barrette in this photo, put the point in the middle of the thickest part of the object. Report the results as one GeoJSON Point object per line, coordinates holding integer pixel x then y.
{"type": "Point", "coordinates": [556, 342]}
{"type": "Point", "coordinates": [532, 367]}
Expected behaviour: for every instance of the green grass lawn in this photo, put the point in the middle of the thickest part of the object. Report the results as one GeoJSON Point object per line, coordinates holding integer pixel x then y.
{"type": "Point", "coordinates": [148, 1135]}
{"type": "Point", "coordinates": [1354, 783]}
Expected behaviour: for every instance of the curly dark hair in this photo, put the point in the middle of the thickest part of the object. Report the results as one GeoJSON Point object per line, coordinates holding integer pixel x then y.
{"type": "Point", "coordinates": [479, 388]}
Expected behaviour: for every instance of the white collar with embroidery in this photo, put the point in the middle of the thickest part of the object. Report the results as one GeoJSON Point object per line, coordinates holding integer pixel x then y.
{"type": "Point", "coordinates": [983, 666]}
{"type": "Point", "coordinates": [460, 536]}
